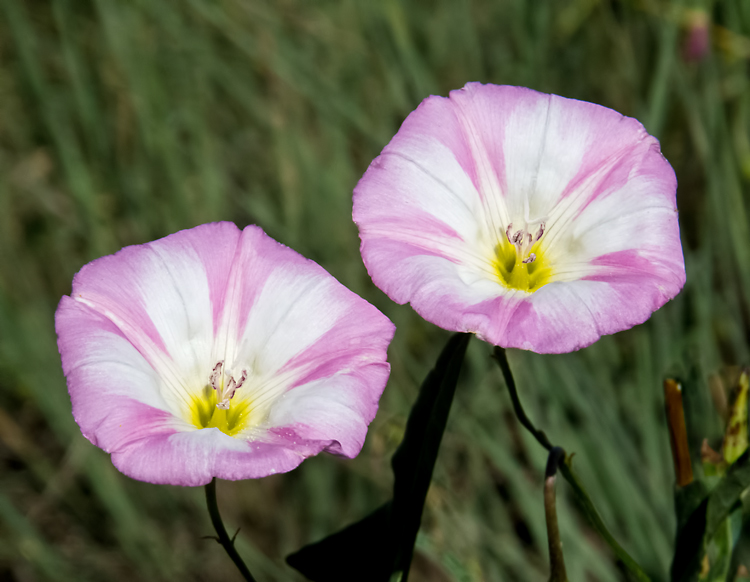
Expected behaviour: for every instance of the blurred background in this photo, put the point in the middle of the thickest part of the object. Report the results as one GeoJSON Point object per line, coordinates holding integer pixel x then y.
{"type": "Point", "coordinates": [124, 121]}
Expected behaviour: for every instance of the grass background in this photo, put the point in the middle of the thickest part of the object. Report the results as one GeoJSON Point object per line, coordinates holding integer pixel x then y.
{"type": "Point", "coordinates": [124, 121]}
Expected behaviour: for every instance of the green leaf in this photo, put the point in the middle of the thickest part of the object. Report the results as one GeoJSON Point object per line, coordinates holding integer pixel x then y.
{"type": "Point", "coordinates": [727, 493]}
{"type": "Point", "coordinates": [704, 522]}
{"type": "Point", "coordinates": [381, 544]}
{"type": "Point", "coordinates": [735, 438]}
{"type": "Point", "coordinates": [720, 553]}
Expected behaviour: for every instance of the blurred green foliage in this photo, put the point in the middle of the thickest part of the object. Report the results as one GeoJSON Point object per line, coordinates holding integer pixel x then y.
{"type": "Point", "coordinates": [123, 121]}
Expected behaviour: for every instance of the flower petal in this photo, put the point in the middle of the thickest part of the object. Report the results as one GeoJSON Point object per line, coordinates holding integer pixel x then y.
{"type": "Point", "coordinates": [104, 370]}
{"type": "Point", "coordinates": [194, 458]}
{"type": "Point", "coordinates": [165, 297]}
{"type": "Point", "coordinates": [563, 317]}
{"type": "Point", "coordinates": [433, 208]}
{"type": "Point", "coordinates": [301, 331]}
{"type": "Point", "coordinates": [334, 410]}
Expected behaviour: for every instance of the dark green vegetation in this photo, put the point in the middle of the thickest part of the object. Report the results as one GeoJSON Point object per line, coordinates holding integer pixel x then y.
{"type": "Point", "coordinates": [123, 121]}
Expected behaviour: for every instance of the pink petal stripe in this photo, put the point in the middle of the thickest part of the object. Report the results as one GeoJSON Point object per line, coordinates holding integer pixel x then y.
{"type": "Point", "coordinates": [298, 305]}
{"type": "Point", "coordinates": [419, 129]}
{"type": "Point", "coordinates": [336, 409]}
{"type": "Point", "coordinates": [216, 246]}
{"type": "Point", "coordinates": [193, 259]}
{"type": "Point", "coordinates": [100, 363]}
{"type": "Point", "coordinates": [257, 258]}
{"type": "Point", "coordinates": [344, 347]}
{"type": "Point", "coordinates": [127, 422]}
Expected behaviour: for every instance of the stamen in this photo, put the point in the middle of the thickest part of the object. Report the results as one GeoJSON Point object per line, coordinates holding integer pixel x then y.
{"type": "Point", "coordinates": [225, 391]}
{"type": "Point", "coordinates": [233, 387]}
{"type": "Point", "coordinates": [517, 266]}
{"type": "Point", "coordinates": [540, 232]}
{"type": "Point", "coordinates": [215, 378]}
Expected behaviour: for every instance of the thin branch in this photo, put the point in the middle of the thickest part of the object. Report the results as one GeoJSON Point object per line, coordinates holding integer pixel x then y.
{"type": "Point", "coordinates": [499, 355]}
{"type": "Point", "coordinates": [223, 537]}
{"type": "Point", "coordinates": [566, 469]}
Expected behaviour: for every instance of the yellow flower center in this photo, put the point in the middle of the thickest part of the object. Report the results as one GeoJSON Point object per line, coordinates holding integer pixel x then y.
{"type": "Point", "coordinates": [520, 261]}
{"type": "Point", "coordinates": [215, 406]}
{"type": "Point", "coordinates": [204, 413]}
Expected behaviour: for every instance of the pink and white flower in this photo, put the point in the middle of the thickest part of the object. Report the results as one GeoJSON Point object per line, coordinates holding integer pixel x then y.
{"type": "Point", "coordinates": [535, 221]}
{"type": "Point", "coordinates": [216, 352]}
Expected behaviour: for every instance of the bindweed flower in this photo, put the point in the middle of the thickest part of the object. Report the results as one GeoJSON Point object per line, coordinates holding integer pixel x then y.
{"type": "Point", "coordinates": [216, 352]}
{"type": "Point", "coordinates": [534, 221]}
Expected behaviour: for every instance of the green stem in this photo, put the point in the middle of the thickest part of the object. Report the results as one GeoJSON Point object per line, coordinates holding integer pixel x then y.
{"type": "Point", "coordinates": [566, 469]}
{"type": "Point", "coordinates": [556, 560]}
{"type": "Point", "coordinates": [224, 539]}
{"type": "Point", "coordinates": [539, 435]}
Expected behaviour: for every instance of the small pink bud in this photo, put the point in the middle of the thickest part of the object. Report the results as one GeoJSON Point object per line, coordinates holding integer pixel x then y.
{"type": "Point", "coordinates": [696, 42]}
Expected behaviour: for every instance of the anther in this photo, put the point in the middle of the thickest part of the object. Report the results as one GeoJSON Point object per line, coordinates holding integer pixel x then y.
{"type": "Point", "coordinates": [215, 378]}
{"type": "Point", "coordinates": [225, 392]}
{"type": "Point", "coordinates": [530, 259]}
{"type": "Point", "coordinates": [233, 387]}
{"type": "Point", "coordinates": [540, 232]}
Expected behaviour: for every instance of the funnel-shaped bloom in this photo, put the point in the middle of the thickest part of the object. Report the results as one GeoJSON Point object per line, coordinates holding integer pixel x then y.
{"type": "Point", "coordinates": [535, 221]}
{"type": "Point", "coordinates": [216, 352]}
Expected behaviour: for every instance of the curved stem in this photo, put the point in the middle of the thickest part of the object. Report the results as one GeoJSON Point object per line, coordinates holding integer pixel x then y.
{"type": "Point", "coordinates": [499, 355]}
{"type": "Point", "coordinates": [224, 539]}
{"type": "Point", "coordinates": [566, 468]}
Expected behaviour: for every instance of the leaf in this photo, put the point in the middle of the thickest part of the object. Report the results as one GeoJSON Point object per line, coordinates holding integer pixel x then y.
{"type": "Point", "coordinates": [361, 551]}
{"type": "Point", "coordinates": [735, 438]}
{"type": "Point", "coordinates": [382, 543]}
{"type": "Point", "coordinates": [719, 552]}
{"type": "Point", "coordinates": [727, 493]}
{"type": "Point", "coordinates": [705, 521]}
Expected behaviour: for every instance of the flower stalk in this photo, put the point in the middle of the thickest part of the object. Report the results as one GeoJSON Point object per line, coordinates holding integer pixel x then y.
{"type": "Point", "coordinates": [566, 468]}
{"type": "Point", "coordinates": [556, 560]}
{"type": "Point", "coordinates": [223, 538]}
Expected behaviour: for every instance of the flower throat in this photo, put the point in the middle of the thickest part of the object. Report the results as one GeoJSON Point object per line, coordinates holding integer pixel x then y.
{"type": "Point", "coordinates": [519, 260]}
{"type": "Point", "coordinates": [215, 407]}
